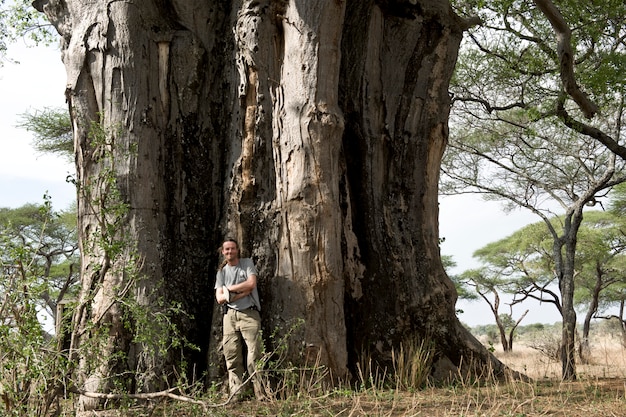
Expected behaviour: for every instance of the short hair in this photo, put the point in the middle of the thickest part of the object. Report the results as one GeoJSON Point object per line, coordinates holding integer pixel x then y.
{"type": "Point", "coordinates": [230, 239]}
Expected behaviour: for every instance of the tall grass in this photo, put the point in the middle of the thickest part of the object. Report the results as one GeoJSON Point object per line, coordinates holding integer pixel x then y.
{"type": "Point", "coordinates": [412, 365]}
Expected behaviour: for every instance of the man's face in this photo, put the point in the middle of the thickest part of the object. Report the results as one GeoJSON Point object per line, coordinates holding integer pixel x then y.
{"type": "Point", "coordinates": [230, 251]}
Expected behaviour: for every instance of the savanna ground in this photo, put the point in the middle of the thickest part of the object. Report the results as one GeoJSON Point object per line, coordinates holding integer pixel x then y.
{"type": "Point", "coordinates": [599, 391]}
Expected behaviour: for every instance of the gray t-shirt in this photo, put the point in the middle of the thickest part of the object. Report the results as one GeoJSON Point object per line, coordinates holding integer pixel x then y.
{"type": "Point", "coordinates": [231, 275]}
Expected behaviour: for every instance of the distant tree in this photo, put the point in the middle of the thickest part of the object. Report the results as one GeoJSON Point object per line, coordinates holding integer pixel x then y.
{"type": "Point", "coordinates": [615, 297]}
{"type": "Point", "coordinates": [52, 131]}
{"type": "Point", "coordinates": [489, 283]}
{"type": "Point", "coordinates": [525, 257]}
{"type": "Point", "coordinates": [616, 294]}
{"type": "Point", "coordinates": [43, 245]}
{"type": "Point", "coordinates": [601, 269]}
{"type": "Point", "coordinates": [536, 119]}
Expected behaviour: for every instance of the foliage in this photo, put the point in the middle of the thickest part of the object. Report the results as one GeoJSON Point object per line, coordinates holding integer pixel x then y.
{"type": "Point", "coordinates": [34, 239]}
{"type": "Point", "coordinates": [617, 205]}
{"type": "Point", "coordinates": [512, 62]}
{"type": "Point", "coordinates": [537, 119]}
{"type": "Point", "coordinates": [52, 131]}
{"type": "Point", "coordinates": [508, 139]}
{"type": "Point", "coordinates": [19, 19]}
{"type": "Point", "coordinates": [525, 260]}
{"type": "Point", "coordinates": [43, 245]}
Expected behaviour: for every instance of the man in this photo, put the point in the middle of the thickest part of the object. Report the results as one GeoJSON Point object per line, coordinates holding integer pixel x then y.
{"type": "Point", "coordinates": [236, 290]}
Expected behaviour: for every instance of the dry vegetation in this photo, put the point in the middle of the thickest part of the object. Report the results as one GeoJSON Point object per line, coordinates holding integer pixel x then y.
{"type": "Point", "coordinates": [599, 391]}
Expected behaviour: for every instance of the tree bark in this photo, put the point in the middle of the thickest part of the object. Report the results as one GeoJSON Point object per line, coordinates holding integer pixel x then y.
{"type": "Point", "coordinates": [566, 57]}
{"type": "Point", "coordinates": [564, 251]}
{"type": "Point", "coordinates": [584, 348]}
{"type": "Point", "coordinates": [310, 131]}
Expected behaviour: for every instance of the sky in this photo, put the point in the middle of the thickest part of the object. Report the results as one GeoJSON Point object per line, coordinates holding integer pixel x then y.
{"type": "Point", "coordinates": [37, 82]}
{"type": "Point", "coordinates": [466, 221]}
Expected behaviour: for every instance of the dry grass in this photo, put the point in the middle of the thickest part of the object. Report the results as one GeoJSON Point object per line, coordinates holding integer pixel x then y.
{"type": "Point", "coordinates": [544, 398]}
{"type": "Point", "coordinates": [608, 360]}
{"type": "Point", "coordinates": [599, 391]}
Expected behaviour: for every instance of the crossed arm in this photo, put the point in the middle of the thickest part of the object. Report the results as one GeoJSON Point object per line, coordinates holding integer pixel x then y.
{"type": "Point", "coordinates": [237, 291]}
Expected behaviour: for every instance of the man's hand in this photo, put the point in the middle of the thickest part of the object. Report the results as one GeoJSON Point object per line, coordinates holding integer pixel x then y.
{"type": "Point", "coordinates": [220, 296]}
{"type": "Point", "coordinates": [238, 295]}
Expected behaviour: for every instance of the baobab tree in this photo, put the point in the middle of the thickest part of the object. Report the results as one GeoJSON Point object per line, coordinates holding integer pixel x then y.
{"type": "Point", "coordinates": [311, 131]}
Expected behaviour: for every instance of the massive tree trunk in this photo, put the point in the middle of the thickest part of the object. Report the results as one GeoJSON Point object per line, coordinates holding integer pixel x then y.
{"type": "Point", "coordinates": [312, 131]}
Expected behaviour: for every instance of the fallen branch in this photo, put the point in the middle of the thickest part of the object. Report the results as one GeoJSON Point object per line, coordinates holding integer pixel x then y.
{"type": "Point", "coordinates": [169, 393]}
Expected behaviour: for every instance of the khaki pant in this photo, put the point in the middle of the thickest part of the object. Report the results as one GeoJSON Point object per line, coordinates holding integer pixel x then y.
{"type": "Point", "coordinates": [242, 327]}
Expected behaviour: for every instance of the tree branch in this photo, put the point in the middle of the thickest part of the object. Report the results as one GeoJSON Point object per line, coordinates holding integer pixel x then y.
{"type": "Point", "coordinates": [566, 57]}
{"type": "Point", "coordinates": [488, 107]}
{"type": "Point", "coordinates": [590, 131]}
{"type": "Point", "coordinates": [147, 396]}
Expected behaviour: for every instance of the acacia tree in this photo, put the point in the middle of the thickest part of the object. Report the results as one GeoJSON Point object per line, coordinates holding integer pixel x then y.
{"type": "Point", "coordinates": [311, 131]}
{"type": "Point", "coordinates": [37, 251]}
{"type": "Point", "coordinates": [488, 284]}
{"type": "Point", "coordinates": [529, 133]}
{"type": "Point", "coordinates": [600, 261]}
{"type": "Point", "coordinates": [526, 259]}
{"type": "Point", "coordinates": [615, 295]}
{"type": "Point", "coordinates": [42, 245]}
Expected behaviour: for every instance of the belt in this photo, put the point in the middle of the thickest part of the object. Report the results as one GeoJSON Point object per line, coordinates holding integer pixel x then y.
{"type": "Point", "coordinates": [252, 307]}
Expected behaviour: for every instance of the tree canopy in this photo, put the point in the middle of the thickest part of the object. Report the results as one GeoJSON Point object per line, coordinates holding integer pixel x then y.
{"type": "Point", "coordinates": [538, 105]}
{"type": "Point", "coordinates": [40, 246]}
{"type": "Point", "coordinates": [20, 20]}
